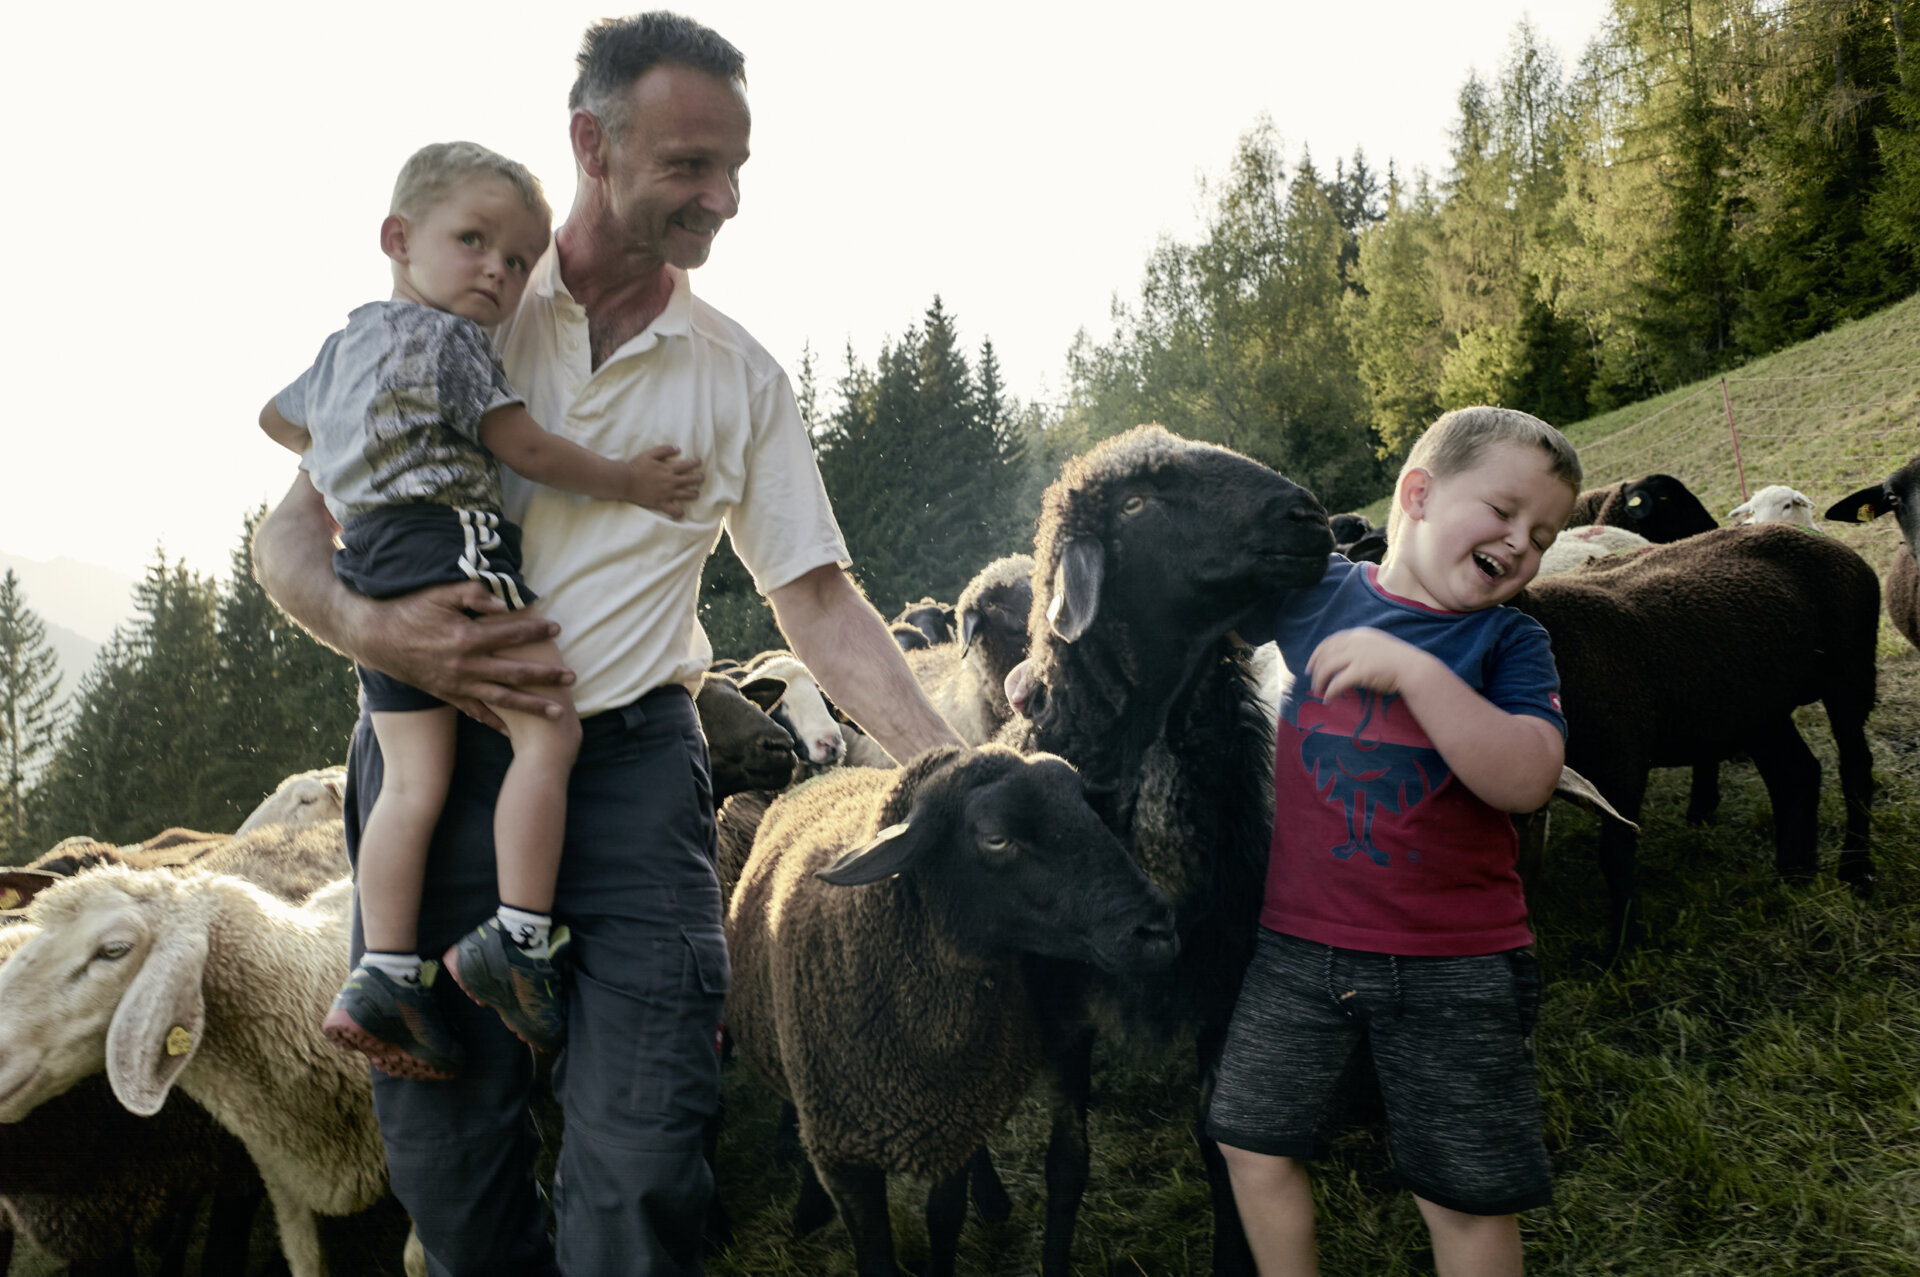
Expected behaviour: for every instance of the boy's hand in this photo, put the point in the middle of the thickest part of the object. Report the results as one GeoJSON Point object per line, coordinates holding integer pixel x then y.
{"type": "Point", "coordinates": [661, 483]}
{"type": "Point", "coordinates": [1363, 657]}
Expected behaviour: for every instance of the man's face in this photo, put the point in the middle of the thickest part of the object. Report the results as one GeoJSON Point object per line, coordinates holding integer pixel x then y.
{"type": "Point", "coordinates": [673, 172]}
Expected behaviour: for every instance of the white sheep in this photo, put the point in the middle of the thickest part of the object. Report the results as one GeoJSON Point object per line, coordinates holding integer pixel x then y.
{"type": "Point", "coordinates": [1583, 544]}
{"type": "Point", "coordinates": [305, 798]}
{"type": "Point", "coordinates": [1776, 503]}
{"type": "Point", "coordinates": [210, 983]}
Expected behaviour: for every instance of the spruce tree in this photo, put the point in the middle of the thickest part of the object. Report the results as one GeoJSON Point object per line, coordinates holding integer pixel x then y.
{"type": "Point", "coordinates": [29, 717]}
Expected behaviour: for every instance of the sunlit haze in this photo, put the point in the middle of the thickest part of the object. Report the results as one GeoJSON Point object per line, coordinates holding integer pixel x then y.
{"type": "Point", "coordinates": [197, 191]}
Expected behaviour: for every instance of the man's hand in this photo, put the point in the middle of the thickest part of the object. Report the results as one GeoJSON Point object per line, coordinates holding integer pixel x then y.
{"type": "Point", "coordinates": [1364, 657]}
{"type": "Point", "coordinates": [428, 639]}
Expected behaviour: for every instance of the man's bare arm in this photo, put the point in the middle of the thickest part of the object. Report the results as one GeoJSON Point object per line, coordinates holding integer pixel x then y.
{"type": "Point", "coordinates": [426, 639]}
{"type": "Point", "coordinates": [839, 637]}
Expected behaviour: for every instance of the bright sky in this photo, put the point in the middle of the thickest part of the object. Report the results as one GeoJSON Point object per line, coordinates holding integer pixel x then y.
{"type": "Point", "coordinates": [198, 189]}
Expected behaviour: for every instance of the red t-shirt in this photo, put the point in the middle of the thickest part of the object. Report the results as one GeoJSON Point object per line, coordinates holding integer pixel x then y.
{"type": "Point", "coordinates": [1375, 845]}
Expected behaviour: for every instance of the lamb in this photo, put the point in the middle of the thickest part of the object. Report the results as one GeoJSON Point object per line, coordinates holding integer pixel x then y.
{"type": "Point", "coordinates": [1900, 493]}
{"type": "Point", "coordinates": [877, 938]}
{"type": "Point", "coordinates": [305, 798]}
{"type": "Point", "coordinates": [1793, 619]}
{"type": "Point", "coordinates": [204, 981]}
{"type": "Point", "coordinates": [965, 679]}
{"type": "Point", "coordinates": [1657, 506]}
{"type": "Point", "coordinates": [1579, 545]}
{"type": "Point", "coordinates": [1150, 549]}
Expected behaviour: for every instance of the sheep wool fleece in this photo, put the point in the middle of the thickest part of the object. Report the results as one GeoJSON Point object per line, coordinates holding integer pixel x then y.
{"type": "Point", "coordinates": [903, 1065]}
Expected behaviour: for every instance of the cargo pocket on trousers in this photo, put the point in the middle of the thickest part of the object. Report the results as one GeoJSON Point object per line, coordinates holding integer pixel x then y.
{"type": "Point", "coordinates": [676, 1073]}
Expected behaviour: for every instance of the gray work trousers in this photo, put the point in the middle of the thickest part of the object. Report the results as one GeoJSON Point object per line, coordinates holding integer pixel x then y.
{"type": "Point", "coordinates": [648, 969]}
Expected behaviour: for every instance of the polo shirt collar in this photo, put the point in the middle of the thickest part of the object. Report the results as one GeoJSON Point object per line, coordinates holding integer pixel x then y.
{"type": "Point", "coordinates": [675, 321]}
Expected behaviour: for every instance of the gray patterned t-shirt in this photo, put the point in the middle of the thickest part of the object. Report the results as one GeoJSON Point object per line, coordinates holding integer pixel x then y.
{"type": "Point", "coordinates": [394, 403]}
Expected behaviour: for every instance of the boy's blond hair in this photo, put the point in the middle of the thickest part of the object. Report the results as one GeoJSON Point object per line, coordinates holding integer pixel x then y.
{"type": "Point", "coordinates": [431, 172]}
{"type": "Point", "coordinates": [1455, 442]}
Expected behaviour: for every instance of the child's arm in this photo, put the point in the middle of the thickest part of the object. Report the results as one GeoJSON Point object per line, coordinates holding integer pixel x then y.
{"type": "Point", "coordinates": [283, 432]}
{"type": "Point", "coordinates": [652, 479]}
{"type": "Point", "coordinates": [1510, 761]}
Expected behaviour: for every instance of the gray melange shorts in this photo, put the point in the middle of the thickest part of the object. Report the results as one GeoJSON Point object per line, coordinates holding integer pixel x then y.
{"type": "Point", "coordinates": [1452, 1043]}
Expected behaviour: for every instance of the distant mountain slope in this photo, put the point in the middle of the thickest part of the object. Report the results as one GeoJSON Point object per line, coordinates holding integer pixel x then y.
{"type": "Point", "coordinates": [84, 598]}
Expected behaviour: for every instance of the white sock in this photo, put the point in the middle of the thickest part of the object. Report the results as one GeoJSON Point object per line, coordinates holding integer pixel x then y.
{"type": "Point", "coordinates": [401, 968]}
{"type": "Point", "coordinates": [528, 931]}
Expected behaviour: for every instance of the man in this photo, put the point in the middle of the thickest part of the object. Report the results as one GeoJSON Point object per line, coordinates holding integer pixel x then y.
{"type": "Point", "coordinates": [609, 348]}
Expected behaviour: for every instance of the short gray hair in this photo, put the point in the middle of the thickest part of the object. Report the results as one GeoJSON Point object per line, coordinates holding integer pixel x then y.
{"type": "Point", "coordinates": [433, 171]}
{"type": "Point", "coordinates": [615, 52]}
{"type": "Point", "coordinates": [1456, 441]}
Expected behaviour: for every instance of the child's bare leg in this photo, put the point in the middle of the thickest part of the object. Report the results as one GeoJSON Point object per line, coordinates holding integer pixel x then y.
{"type": "Point", "coordinates": [1472, 1245]}
{"type": "Point", "coordinates": [416, 749]}
{"type": "Point", "coordinates": [1275, 1199]}
{"type": "Point", "coordinates": [508, 962]}
{"type": "Point", "coordinates": [530, 816]}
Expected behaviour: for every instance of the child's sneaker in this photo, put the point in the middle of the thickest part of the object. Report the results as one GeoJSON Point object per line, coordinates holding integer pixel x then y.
{"type": "Point", "coordinates": [394, 1024]}
{"type": "Point", "coordinates": [497, 973]}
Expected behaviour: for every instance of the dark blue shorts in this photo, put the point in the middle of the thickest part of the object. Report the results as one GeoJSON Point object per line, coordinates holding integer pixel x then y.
{"type": "Point", "coordinates": [1452, 1042]}
{"type": "Point", "coordinates": [398, 549]}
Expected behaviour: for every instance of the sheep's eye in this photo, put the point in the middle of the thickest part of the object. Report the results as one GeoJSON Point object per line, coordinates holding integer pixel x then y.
{"type": "Point", "coordinates": [113, 950]}
{"type": "Point", "coordinates": [996, 842]}
{"type": "Point", "coordinates": [1133, 504]}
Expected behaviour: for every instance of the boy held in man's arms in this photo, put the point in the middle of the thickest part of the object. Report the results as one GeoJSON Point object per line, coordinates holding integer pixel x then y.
{"type": "Point", "coordinates": [1424, 713]}
{"type": "Point", "coordinates": [402, 423]}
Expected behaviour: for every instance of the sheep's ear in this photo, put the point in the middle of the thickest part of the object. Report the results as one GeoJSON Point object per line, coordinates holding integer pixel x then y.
{"type": "Point", "coordinates": [1863, 506]}
{"type": "Point", "coordinates": [1076, 587]}
{"type": "Point", "coordinates": [970, 622]}
{"type": "Point", "coordinates": [764, 691]}
{"type": "Point", "coordinates": [18, 886]}
{"type": "Point", "coordinates": [1576, 788]}
{"type": "Point", "coordinates": [892, 851]}
{"type": "Point", "coordinates": [1744, 508]}
{"type": "Point", "coordinates": [159, 1023]}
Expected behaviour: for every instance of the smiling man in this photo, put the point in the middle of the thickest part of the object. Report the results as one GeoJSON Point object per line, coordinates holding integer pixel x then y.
{"type": "Point", "coordinates": [611, 349]}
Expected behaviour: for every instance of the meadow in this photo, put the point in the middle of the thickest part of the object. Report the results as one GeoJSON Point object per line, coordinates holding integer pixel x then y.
{"type": "Point", "coordinates": [1739, 1097]}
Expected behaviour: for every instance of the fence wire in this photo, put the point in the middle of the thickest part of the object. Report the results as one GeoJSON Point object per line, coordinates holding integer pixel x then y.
{"type": "Point", "coordinates": [1827, 434]}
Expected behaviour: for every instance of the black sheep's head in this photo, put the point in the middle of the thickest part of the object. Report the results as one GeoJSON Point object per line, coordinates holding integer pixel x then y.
{"type": "Point", "coordinates": [1162, 534]}
{"type": "Point", "coordinates": [993, 613]}
{"type": "Point", "coordinates": [1898, 494]}
{"type": "Point", "coordinates": [1662, 509]}
{"type": "Point", "coordinates": [1009, 856]}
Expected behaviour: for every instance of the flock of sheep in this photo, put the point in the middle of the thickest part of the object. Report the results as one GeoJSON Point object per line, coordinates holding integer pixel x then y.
{"type": "Point", "coordinates": [914, 946]}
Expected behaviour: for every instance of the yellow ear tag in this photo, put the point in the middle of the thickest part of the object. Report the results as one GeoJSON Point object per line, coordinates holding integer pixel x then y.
{"type": "Point", "coordinates": [179, 1041]}
{"type": "Point", "coordinates": [1633, 501]}
{"type": "Point", "coordinates": [1864, 514]}
{"type": "Point", "coordinates": [9, 899]}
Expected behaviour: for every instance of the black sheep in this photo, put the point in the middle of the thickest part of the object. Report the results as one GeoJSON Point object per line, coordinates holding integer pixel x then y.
{"type": "Point", "coordinates": [1703, 649]}
{"type": "Point", "coordinates": [1149, 549]}
{"type": "Point", "coordinates": [1900, 494]}
{"type": "Point", "coordinates": [1657, 506]}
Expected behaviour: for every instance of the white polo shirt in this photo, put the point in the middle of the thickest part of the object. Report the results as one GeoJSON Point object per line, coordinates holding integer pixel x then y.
{"type": "Point", "coordinates": [622, 581]}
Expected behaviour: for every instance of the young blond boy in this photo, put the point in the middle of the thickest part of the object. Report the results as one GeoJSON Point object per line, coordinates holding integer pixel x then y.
{"type": "Point", "coordinates": [401, 423]}
{"type": "Point", "coordinates": [1424, 713]}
